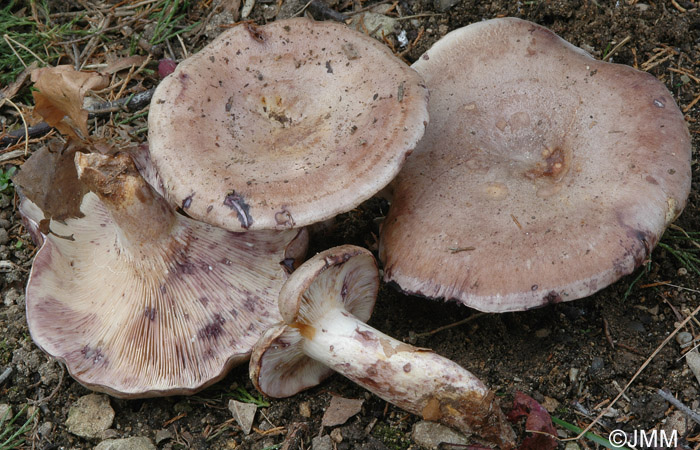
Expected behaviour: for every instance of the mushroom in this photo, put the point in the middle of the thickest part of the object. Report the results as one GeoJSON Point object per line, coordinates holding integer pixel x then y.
{"type": "Point", "coordinates": [284, 125]}
{"type": "Point", "coordinates": [544, 175]}
{"type": "Point", "coordinates": [324, 304]}
{"type": "Point", "coordinates": [134, 298]}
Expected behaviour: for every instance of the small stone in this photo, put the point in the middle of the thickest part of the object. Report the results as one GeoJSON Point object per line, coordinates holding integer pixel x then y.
{"type": "Point", "coordinates": [677, 421]}
{"type": "Point", "coordinates": [244, 413]}
{"type": "Point", "coordinates": [4, 237]}
{"type": "Point", "coordinates": [337, 436]}
{"type": "Point", "coordinates": [550, 404]}
{"type": "Point", "coordinates": [445, 5]}
{"type": "Point", "coordinates": [12, 297]}
{"type": "Point", "coordinates": [45, 430]}
{"type": "Point", "coordinates": [543, 333]}
{"type": "Point", "coordinates": [163, 435]}
{"type": "Point", "coordinates": [430, 435]}
{"type": "Point", "coordinates": [5, 412]}
{"type": "Point", "coordinates": [572, 446]}
{"type": "Point", "coordinates": [573, 375]}
{"type": "Point", "coordinates": [642, 6]}
{"type": "Point", "coordinates": [304, 409]}
{"type": "Point", "coordinates": [322, 443]}
{"type": "Point", "coordinates": [132, 443]}
{"type": "Point", "coordinates": [597, 364]}
{"type": "Point", "coordinates": [90, 415]}
{"type": "Point", "coordinates": [377, 24]}
{"type": "Point", "coordinates": [340, 410]}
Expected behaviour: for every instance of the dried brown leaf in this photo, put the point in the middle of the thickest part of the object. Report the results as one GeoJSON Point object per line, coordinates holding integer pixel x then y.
{"type": "Point", "coordinates": [59, 97]}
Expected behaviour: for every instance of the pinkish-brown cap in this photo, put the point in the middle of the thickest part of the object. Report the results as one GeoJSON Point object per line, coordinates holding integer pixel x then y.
{"type": "Point", "coordinates": [138, 300]}
{"type": "Point", "coordinates": [544, 175]}
{"type": "Point", "coordinates": [284, 125]}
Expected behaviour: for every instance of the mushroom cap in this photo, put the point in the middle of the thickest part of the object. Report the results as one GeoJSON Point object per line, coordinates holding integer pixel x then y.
{"type": "Point", "coordinates": [544, 175]}
{"type": "Point", "coordinates": [344, 276]}
{"type": "Point", "coordinates": [284, 125]}
{"type": "Point", "coordinates": [147, 304]}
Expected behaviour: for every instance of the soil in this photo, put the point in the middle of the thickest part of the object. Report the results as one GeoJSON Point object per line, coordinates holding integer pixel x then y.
{"type": "Point", "coordinates": [572, 357]}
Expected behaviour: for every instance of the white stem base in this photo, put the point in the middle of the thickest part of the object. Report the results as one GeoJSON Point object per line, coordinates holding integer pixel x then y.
{"type": "Point", "coordinates": [417, 380]}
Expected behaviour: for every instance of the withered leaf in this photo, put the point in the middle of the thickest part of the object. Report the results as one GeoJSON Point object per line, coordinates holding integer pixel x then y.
{"type": "Point", "coordinates": [49, 179]}
{"type": "Point", "coordinates": [59, 97]}
{"type": "Point", "coordinates": [537, 420]}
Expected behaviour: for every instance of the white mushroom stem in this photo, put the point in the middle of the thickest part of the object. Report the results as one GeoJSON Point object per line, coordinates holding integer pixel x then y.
{"type": "Point", "coordinates": [324, 304]}
{"type": "Point", "coordinates": [415, 379]}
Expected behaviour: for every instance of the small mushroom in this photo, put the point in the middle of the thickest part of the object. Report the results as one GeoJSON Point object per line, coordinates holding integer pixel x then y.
{"type": "Point", "coordinates": [544, 175]}
{"type": "Point", "coordinates": [136, 299]}
{"type": "Point", "coordinates": [324, 304]}
{"type": "Point", "coordinates": [284, 125]}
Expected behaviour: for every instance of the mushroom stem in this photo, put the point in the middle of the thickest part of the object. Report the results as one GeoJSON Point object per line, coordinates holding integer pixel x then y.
{"type": "Point", "coordinates": [142, 215]}
{"type": "Point", "coordinates": [415, 379]}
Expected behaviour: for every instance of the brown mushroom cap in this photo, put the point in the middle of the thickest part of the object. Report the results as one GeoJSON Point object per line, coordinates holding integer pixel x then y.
{"type": "Point", "coordinates": [139, 301]}
{"type": "Point", "coordinates": [544, 175]}
{"type": "Point", "coordinates": [284, 125]}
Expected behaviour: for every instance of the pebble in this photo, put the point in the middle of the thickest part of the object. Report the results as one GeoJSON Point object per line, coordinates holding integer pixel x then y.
{"type": "Point", "coordinates": [4, 237]}
{"type": "Point", "coordinates": [163, 435]}
{"type": "Point", "coordinates": [692, 358]}
{"type": "Point", "coordinates": [597, 363]}
{"type": "Point", "coordinates": [12, 297]}
{"type": "Point", "coordinates": [375, 23]}
{"type": "Point", "coordinates": [244, 413]}
{"type": "Point", "coordinates": [45, 430]}
{"type": "Point", "coordinates": [572, 446]}
{"type": "Point", "coordinates": [430, 435]}
{"type": "Point", "coordinates": [132, 443]}
{"type": "Point", "coordinates": [445, 5]}
{"type": "Point", "coordinates": [90, 415]}
{"type": "Point", "coordinates": [543, 333]}
{"type": "Point", "coordinates": [5, 412]}
{"type": "Point", "coordinates": [304, 409]}
{"type": "Point", "coordinates": [677, 421]}
{"type": "Point", "coordinates": [322, 443]}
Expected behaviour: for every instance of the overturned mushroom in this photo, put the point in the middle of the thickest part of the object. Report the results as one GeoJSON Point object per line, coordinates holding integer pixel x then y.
{"type": "Point", "coordinates": [136, 299]}
{"type": "Point", "coordinates": [284, 125]}
{"type": "Point", "coordinates": [544, 175]}
{"type": "Point", "coordinates": [324, 304]}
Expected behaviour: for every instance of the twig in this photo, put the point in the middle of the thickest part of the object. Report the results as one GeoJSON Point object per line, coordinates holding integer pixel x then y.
{"type": "Point", "coordinates": [24, 122]}
{"type": "Point", "coordinates": [5, 374]}
{"type": "Point", "coordinates": [678, 7]}
{"type": "Point", "coordinates": [606, 330]}
{"type": "Point", "coordinates": [690, 105]}
{"type": "Point", "coordinates": [617, 47]}
{"type": "Point", "coordinates": [455, 324]}
{"type": "Point", "coordinates": [634, 377]}
{"type": "Point", "coordinates": [678, 404]}
{"type": "Point", "coordinates": [129, 104]}
{"type": "Point", "coordinates": [35, 131]}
